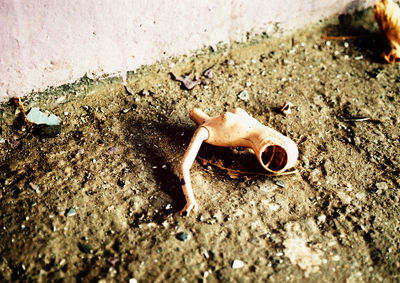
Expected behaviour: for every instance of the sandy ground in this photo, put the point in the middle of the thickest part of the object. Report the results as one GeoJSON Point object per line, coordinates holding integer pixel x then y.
{"type": "Point", "coordinates": [99, 202]}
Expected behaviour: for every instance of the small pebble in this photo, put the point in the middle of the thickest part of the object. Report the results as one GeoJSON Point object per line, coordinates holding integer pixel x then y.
{"type": "Point", "coordinates": [321, 218]}
{"type": "Point", "coordinates": [360, 195]}
{"type": "Point", "coordinates": [112, 149]}
{"type": "Point", "coordinates": [183, 236]}
{"type": "Point", "coordinates": [60, 100]}
{"type": "Point", "coordinates": [274, 206]}
{"type": "Point", "coordinates": [248, 84]}
{"type": "Point", "coordinates": [2, 140]}
{"type": "Point", "coordinates": [383, 186]}
{"type": "Point", "coordinates": [328, 43]}
{"type": "Point", "coordinates": [280, 183]}
{"type": "Point", "coordinates": [87, 249]}
{"type": "Point", "coordinates": [71, 212]}
{"type": "Point", "coordinates": [244, 95]}
{"type": "Point", "coordinates": [237, 264]}
{"type": "Point", "coordinates": [209, 73]}
{"type": "Point", "coordinates": [346, 45]}
{"type": "Point", "coordinates": [34, 187]}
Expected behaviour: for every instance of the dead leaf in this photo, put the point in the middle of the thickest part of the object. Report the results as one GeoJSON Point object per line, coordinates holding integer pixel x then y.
{"type": "Point", "coordinates": [187, 82]}
{"type": "Point", "coordinates": [233, 174]}
{"type": "Point", "coordinates": [387, 14]}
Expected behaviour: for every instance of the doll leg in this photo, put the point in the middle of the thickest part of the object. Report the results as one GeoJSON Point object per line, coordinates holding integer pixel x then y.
{"type": "Point", "coordinates": [198, 116]}
{"type": "Point", "coordinates": [199, 136]}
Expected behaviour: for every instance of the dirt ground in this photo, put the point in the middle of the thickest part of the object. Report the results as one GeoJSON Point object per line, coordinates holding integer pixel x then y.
{"type": "Point", "coordinates": [99, 202]}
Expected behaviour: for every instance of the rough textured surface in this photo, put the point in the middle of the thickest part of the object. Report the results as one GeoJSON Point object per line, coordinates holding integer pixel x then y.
{"type": "Point", "coordinates": [49, 43]}
{"type": "Point", "coordinates": [99, 201]}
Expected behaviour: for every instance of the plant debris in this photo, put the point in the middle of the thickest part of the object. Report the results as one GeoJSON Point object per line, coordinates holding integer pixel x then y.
{"type": "Point", "coordinates": [17, 102]}
{"type": "Point", "coordinates": [234, 172]}
{"type": "Point", "coordinates": [128, 90]}
{"type": "Point", "coordinates": [345, 37]}
{"type": "Point", "coordinates": [187, 82]}
{"type": "Point", "coordinates": [361, 119]}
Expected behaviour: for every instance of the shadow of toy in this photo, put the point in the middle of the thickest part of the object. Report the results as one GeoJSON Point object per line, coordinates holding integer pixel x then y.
{"type": "Point", "coordinates": [361, 30]}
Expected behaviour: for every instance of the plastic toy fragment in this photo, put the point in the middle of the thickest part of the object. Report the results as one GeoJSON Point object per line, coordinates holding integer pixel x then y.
{"type": "Point", "coordinates": [46, 124]}
{"type": "Point", "coordinates": [43, 123]}
{"type": "Point", "coordinates": [274, 151]}
{"type": "Point", "coordinates": [387, 14]}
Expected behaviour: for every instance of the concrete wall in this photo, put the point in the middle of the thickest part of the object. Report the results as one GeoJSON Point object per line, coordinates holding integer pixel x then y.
{"type": "Point", "coordinates": [49, 42]}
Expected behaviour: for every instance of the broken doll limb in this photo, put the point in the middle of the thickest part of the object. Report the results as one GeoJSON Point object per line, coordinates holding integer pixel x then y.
{"type": "Point", "coordinates": [275, 152]}
{"type": "Point", "coordinates": [199, 136]}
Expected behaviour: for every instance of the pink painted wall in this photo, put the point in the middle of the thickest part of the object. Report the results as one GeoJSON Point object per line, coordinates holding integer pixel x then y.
{"type": "Point", "coordinates": [49, 42]}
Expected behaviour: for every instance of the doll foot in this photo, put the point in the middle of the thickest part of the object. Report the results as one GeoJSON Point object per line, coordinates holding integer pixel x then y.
{"type": "Point", "coordinates": [188, 207]}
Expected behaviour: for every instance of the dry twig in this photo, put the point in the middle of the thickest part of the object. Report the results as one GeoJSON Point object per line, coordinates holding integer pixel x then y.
{"type": "Point", "coordinates": [17, 102]}
{"type": "Point", "coordinates": [345, 37]}
{"type": "Point", "coordinates": [361, 119]}
{"type": "Point", "coordinates": [235, 173]}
